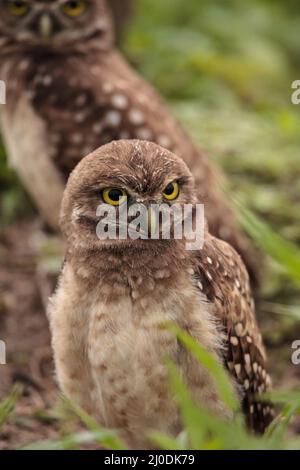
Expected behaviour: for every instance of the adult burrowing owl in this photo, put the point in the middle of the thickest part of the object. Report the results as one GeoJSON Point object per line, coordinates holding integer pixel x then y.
{"type": "Point", "coordinates": [69, 91]}
{"type": "Point", "coordinates": [106, 316]}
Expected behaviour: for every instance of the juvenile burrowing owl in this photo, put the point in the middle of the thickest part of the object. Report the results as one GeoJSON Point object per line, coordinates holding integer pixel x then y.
{"type": "Point", "coordinates": [106, 316]}
{"type": "Point", "coordinates": [69, 91]}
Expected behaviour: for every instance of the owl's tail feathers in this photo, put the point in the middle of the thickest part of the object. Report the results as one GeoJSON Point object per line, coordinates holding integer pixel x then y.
{"type": "Point", "coordinates": [259, 414]}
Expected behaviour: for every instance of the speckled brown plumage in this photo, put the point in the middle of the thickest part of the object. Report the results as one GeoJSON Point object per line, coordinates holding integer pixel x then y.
{"type": "Point", "coordinates": [113, 296]}
{"type": "Point", "coordinates": [69, 95]}
{"type": "Point", "coordinates": [224, 280]}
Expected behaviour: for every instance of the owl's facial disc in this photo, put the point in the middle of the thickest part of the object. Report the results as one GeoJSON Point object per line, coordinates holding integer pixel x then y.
{"type": "Point", "coordinates": [151, 212]}
{"type": "Point", "coordinates": [128, 184]}
{"type": "Point", "coordinates": [119, 215]}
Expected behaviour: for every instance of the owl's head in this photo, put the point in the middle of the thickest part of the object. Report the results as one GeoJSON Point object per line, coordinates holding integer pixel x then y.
{"type": "Point", "coordinates": [55, 24]}
{"type": "Point", "coordinates": [123, 175]}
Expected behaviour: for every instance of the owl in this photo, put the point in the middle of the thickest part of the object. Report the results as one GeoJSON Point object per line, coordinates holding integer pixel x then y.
{"type": "Point", "coordinates": [115, 296]}
{"type": "Point", "coordinates": [69, 91]}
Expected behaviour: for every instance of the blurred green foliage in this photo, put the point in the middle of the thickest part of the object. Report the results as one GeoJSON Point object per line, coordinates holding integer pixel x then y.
{"type": "Point", "coordinates": [14, 203]}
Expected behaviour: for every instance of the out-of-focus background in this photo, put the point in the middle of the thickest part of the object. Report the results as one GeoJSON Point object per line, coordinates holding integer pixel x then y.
{"type": "Point", "coordinates": [226, 70]}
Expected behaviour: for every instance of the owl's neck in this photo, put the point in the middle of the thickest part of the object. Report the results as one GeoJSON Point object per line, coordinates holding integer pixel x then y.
{"type": "Point", "coordinates": [96, 43]}
{"type": "Point", "coordinates": [128, 267]}
{"type": "Point", "coordinates": [37, 55]}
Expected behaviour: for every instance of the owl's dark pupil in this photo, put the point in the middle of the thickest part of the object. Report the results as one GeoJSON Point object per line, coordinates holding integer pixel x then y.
{"type": "Point", "coordinates": [73, 4]}
{"type": "Point", "coordinates": [19, 3]}
{"type": "Point", "coordinates": [169, 189]}
{"type": "Point", "coordinates": [115, 194]}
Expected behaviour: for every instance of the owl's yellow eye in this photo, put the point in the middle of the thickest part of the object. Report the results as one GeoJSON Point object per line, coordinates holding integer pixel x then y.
{"type": "Point", "coordinates": [17, 7]}
{"type": "Point", "coordinates": [172, 191]}
{"type": "Point", "coordinates": [74, 8]}
{"type": "Point", "coordinates": [114, 196]}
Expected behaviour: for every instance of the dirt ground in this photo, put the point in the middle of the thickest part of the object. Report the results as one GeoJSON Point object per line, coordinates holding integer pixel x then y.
{"type": "Point", "coordinates": [24, 327]}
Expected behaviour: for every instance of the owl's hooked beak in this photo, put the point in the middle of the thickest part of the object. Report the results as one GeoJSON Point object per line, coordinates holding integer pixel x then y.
{"type": "Point", "coordinates": [152, 225]}
{"type": "Point", "coordinates": [46, 26]}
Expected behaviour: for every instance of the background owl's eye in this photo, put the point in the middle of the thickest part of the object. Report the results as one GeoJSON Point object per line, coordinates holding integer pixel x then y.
{"type": "Point", "coordinates": [172, 191]}
{"type": "Point", "coordinates": [74, 8]}
{"type": "Point", "coordinates": [17, 7]}
{"type": "Point", "coordinates": [114, 196]}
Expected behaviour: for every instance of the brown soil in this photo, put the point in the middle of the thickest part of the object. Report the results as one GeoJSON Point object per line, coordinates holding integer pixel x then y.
{"type": "Point", "coordinates": [24, 328]}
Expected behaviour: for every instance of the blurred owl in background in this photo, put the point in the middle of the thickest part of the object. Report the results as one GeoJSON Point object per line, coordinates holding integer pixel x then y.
{"type": "Point", "coordinates": [69, 91]}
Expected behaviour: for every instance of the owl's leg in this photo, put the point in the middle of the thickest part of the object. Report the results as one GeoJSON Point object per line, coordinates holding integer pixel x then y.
{"type": "Point", "coordinates": [42, 182]}
{"type": "Point", "coordinates": [69, 330]}
{"type": "Point", "coordinates": [26, 139]}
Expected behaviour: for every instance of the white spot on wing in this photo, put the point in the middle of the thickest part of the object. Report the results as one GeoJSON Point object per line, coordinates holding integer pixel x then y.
{"type": "Point", "coordinates": [136, 117]}
{"type": "Point", "coordinates": [47, 80]}
{"type": "Point", "coordinates": [239, 329]}
{"type": "Point", "coordinates": [76, 138]}
{"type": "Point", "coordinates": [107, 87]}
{"type": "Point", "coordinates": [24, 64]}
{"type": "Point", "coordinates": [113, 118]}
{"type": "Point", "coordinates": [144, 134]}
{"type": "Point", "coordinates": [81, 100]}
{"type": "Point", "coordinates": [246, 384]}
{"type": "Point", "coordinates": [119, 101]}
{"type": "Point", "coordinates": [97, 128]}
{"type": "Point", "coordinates": [164, 141]}
{"type": "Point", "coordinates": [79, 117]}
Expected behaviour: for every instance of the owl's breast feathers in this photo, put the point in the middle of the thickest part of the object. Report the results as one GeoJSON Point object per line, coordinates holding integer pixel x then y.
{"type": "Point", "coordinates": [115, 331]}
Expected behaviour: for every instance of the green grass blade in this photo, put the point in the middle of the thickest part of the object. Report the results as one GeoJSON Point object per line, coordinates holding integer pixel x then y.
{"type": "Point", "coordinates": [285, 253]}
{"type": "Point", "coordinates": [164, 442]}
{"type": "Point", "coordinates": [193, 418]}
{"type": "Point", "coordinates": [7, 406]}
{"type": "Point", "coordinates": [73, 441]}
{"type": "Point", "coordinates": [109, 439]}
{"type": "Point", "coordinates": [292, 311]}
{"type": "Point", "coordinates": [223, 384]}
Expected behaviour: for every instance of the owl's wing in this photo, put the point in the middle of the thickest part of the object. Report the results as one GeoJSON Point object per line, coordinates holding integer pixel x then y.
{"type": "Point", "coordinates": [222, 277]}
